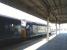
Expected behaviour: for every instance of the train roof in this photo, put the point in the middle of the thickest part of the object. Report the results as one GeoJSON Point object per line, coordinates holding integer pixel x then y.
{"type": "Point", "coordinates": [34, 23]}
{"type": "Point", "coordinates": [7, 20]}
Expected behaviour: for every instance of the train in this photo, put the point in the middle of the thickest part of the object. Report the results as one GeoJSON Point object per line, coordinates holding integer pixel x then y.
{"type": "Point", "coordinates": [11, 28]}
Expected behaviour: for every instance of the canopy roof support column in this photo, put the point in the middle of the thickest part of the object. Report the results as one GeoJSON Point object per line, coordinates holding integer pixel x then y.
{"type": "Point", "coordinates": [56, 26]}
{"type": "Point", "coordinates": [59, 28]}
{"type": "Point", "coordinates": [47, 28]}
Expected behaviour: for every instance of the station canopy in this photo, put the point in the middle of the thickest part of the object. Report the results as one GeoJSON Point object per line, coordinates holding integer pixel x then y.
{"type": "Point", "coordinates": [56, 10]}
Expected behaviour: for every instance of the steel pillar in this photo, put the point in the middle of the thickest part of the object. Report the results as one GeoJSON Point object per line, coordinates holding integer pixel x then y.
{"type": "Point", "coordinates": [56, 28]}
{"type": "Point", "coordinates": [47, 28]}
{"type": "Point", "coordinates": [59, 28]}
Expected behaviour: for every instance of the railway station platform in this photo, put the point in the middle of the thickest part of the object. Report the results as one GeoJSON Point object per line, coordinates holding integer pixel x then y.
{"type": "Point", "coordinates": [55, 43]}
{"type": "Point", "coordinates": [22, 21]}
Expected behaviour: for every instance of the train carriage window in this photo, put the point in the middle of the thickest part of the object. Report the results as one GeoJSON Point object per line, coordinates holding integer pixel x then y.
{"type": "Point", "coordinates": [39, 30]}
{"type": "Point", "coordinates": [27, 26]}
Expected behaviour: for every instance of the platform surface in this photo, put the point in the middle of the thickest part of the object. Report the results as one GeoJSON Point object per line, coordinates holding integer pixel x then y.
{"type": "Point", "coordinates": [57, 43]}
